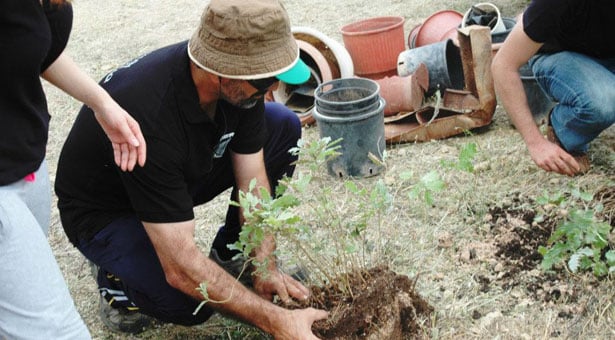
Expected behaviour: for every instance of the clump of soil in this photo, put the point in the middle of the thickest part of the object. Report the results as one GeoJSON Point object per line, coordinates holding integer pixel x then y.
{"type": "Point", "coordinates": [382, 305]}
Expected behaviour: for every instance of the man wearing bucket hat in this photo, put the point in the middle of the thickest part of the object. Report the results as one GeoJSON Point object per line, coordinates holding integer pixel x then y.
{"type": "Point", "coordinates": [573, 59]}
{"type": "Point", "coordinates": [201, 108]}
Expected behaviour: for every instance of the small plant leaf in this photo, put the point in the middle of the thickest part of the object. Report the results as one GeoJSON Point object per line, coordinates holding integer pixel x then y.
{"type": "Point", "coordinates": [610, 257]}
{"type": "Point", "coordinates": [575, 259]}
{"type": "Point", "coordinates": [406, 175]}
{"type": "Point", "coordinates": [432, 181]}
{"type": "Point", "coordinates": [600, 269]}
{"type": "Point", "coordinates": [466, 157]}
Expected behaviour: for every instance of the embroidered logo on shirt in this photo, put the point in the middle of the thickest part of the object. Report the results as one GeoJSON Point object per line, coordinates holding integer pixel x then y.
{"type": "Point", "coordinates": [222, 144]}
{"type": "Point", "coordinates": [127, 65]}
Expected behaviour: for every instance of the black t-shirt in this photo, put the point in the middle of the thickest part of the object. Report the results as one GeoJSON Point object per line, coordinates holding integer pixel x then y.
{"type": "Point", "coordinates": [158, 91]}
{"type": "Point", "coordinates": [583, 26]}
{"type": "Point", "coordinates": [31, 38]}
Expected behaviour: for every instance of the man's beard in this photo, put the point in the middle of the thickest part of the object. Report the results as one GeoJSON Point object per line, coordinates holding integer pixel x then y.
{"type": "Point", "coordinates": [247, 103]}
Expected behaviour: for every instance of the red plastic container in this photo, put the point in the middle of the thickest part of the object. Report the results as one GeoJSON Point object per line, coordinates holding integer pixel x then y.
{"type": "Point", "coordinates": [374, 44]}
{"type": "Point", "coordinates": [437, 27]}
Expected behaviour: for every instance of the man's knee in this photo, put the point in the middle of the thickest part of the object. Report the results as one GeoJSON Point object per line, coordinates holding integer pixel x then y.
{"type": "Point", "coordinates": [606, 113]}
{"type": "Point", "coordinates": [283, 119]}
{"type": "Point", "coordinates": [600, 107]}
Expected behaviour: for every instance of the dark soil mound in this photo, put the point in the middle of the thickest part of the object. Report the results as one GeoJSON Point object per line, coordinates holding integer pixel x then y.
{"type": "Point", "coordinates": [381, 305]}
{"type": "Point", "coordinates": [517, 240]}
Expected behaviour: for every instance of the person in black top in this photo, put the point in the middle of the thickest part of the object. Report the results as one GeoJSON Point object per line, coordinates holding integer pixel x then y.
{"type": "Point", "coordinates": [568, 45]}
{"type": "Point", "coordinates": [200, 105]}
{"type": "Point", "coordinates": [34, 300]}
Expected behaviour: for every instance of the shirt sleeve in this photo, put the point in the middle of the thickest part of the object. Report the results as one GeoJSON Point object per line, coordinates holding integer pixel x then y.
{"type": "Point", "coordinates": [60, 18]}
{"type": "Point", "coordinates": [541, 19]}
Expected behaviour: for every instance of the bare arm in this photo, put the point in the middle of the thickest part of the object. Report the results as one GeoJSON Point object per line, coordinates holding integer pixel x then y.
{"type": "Point", "coordinates": [516, 50]}
{"type": "Point", "coordinates": [186, 267]}
{"type": "Point", "coordinates": [121, 129]}
{"type": "Point", "coordinates": [252, 166]}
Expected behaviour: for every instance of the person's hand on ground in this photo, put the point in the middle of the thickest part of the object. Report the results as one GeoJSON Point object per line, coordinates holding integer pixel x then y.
{"type": "Point", "coordinates": [550, 157]}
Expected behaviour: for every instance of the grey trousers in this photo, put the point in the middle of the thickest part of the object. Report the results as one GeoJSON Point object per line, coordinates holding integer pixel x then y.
{"type": "Point", "coordinates": [35, 302]}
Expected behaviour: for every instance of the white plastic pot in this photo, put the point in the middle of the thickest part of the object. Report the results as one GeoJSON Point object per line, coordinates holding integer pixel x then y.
{"type": "Point", "coordinates": [498, 27]}
{"type": "Point", "coordinates": [343, 59]}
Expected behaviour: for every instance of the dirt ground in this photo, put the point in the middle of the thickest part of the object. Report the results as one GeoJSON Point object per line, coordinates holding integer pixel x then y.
{"type": "Point", "coordinates": [459, 248]}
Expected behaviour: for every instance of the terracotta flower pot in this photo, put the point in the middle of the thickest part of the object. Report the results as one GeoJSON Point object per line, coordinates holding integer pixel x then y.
{"type": "Point", "coordinates": [412, 35]}
{"type": "Point", "coordinates": [374, 44]}
{"type": "Point", "coordinates": [404, 94]}
{"type": "Point", "coordinates": [437, 27]}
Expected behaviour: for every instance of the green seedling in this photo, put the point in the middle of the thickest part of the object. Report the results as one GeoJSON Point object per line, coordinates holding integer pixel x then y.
{"type": "Point", "coordinates": [425, 187]}
{"type": "Point", "coordinates": [580, 241]}
{"type": "Point", "coordinates": [465, 162]}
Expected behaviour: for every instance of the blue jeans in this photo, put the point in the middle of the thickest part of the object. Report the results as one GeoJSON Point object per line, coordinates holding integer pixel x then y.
{"type": "Point", "coordinates": [584, 88]}
{"type": "Point", "coordinates": [124, 250]}
{"type": "Point", "coordinates": [34, 300]}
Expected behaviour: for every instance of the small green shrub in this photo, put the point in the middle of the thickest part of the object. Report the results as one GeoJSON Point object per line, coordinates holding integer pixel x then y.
{"type": "Point", "coordinates": [580, 241]}
{"type": "Point", "coordinates": [331, 239]}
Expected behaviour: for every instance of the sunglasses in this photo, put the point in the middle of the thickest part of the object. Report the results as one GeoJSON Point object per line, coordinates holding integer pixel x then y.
{"type": "Point", "coordinates": [262, 85]}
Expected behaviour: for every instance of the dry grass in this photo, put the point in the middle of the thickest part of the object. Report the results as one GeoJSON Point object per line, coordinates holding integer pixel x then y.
{"type": "Point", "coordinates": [108, 34]}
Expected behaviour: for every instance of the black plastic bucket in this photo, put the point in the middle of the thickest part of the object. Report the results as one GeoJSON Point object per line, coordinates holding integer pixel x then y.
{"type": "Point", "coordinates": [443, 60]}
{"type": "Point", "coordinates": [347, 96]}
{"type": "Point", "coordinates": [357, 117]}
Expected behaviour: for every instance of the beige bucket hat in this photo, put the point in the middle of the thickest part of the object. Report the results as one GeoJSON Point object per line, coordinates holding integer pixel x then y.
{"type": "Point", "coordinates": [247, 39]}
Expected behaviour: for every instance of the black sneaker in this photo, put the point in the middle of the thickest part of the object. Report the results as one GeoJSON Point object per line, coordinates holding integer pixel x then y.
{"type": "Point", "coordinates": [122, 319]}
{"type": "Point", "coordinates": [116, 311]}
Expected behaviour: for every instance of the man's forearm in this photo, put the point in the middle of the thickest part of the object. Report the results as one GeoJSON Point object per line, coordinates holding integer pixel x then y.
{"type": "Point", "coordinates": [186, 267]}
{"type": "Point", "coordinates": [67, 76]}
{"type": "Point", "coordinates": [231, 298]}
{"type": "Point", "coordinates": [512, 95]}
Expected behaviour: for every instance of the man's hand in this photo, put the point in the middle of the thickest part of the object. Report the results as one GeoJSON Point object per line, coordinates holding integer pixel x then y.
{"type": "Point", "coordinates": [550, 157]}
{"type": "Point", "coordinates": [298, 325]}
{"type": "Point", "coordinates": [280, 284]}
